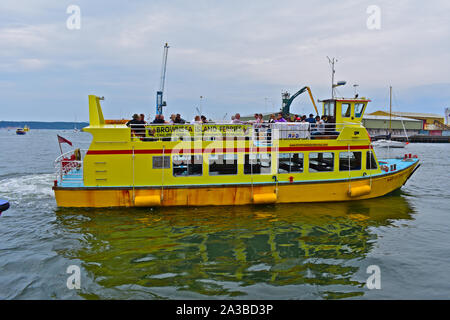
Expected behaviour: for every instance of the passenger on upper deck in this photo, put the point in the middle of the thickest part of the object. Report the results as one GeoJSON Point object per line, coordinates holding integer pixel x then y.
{"type": "Point", "coordinates": [137, 125]}
{"type": "Point", "coordinates": [159, 118]}
{"type": "Point", "coordinates": [237, 118]}
{"type": "Point", "coordinates": [197, 120]}
{"type": "Point", "coordinates": [272, 118]}
{"type": "Point", "coordinates": [179, 120]}
{"type": "Point", "coordinates": [280, 118]}
{"type": "Point", "coordinates": [311, 118]}
{"type": "Point", "coordinates": [203, 119]}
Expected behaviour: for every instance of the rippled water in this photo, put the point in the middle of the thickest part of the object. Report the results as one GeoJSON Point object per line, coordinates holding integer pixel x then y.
{"type": "Point", "coordinates": [301, 251]}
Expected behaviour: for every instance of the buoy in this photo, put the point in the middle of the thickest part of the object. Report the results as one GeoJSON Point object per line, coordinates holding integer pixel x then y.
{"type": "Point", "coordinates": [147, 201]}
{"type": "Point", "coordinates": [4, 205]}
{"type": "Point", "coordinates": [265, 198]}
{"type": "Point", "coordinates": [359, 191]}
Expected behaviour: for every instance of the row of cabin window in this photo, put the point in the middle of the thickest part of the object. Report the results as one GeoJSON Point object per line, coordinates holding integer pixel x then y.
{"type": "Point", "coordinates": [227, 164]}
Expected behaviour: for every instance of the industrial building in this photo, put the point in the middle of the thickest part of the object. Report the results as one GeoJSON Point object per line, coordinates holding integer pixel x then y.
{"type": "Point", "coordinates": [432, 124]}
{"type": "Point", "coordinates": [378, 125]}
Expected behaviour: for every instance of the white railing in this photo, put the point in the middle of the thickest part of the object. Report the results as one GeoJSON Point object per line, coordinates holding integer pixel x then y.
{"type": "Point", "coordinates": [249, 131]}
{"type": "Point", "coordinates": [69, 166]}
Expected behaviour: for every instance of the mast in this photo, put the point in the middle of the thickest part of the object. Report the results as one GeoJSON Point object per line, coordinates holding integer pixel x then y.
{"type": "Point", "coordinates": [332, 61]}
{"type": "Point", "coordinates": [390, 107]}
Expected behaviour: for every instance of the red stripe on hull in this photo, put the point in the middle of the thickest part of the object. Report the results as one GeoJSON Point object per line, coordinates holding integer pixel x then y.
{"type": "Point", "coordinates": [227, 150]}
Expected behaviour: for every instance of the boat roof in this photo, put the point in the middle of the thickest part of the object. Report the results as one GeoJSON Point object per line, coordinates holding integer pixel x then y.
{"type": "Point", "coordinates": [414, 114]}
{"type": "Point", "coordinates": [374, 117]}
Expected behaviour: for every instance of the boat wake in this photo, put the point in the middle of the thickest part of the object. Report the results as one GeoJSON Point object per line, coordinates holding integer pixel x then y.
{"type": "Point", "coordinates": [27, 190]}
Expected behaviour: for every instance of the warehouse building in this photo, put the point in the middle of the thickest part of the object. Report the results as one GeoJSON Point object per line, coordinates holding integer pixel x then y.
{"type": "Point", "coordinates": [378, 125]}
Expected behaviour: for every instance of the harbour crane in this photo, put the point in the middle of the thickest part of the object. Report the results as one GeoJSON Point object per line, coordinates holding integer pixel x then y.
{"type": "Point", "coordinates": [159, 94]}
{"type": "Point", "coordinates": [287, 100]}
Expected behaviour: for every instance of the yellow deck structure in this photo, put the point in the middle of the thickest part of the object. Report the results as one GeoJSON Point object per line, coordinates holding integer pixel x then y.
{"type": "Point", "coordinates": [228, 164]}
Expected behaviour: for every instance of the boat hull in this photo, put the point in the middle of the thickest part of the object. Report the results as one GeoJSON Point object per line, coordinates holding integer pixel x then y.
{"type": "Point", "coordinates": [236, 194]}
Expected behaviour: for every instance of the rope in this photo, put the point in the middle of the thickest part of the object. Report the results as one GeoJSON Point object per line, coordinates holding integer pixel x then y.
{"type": "Point", "coordinates": [134, 195]}
{"type": "Point", "coordinates": [162, 174]}
{"type": "Point", "coordinates": [349, 172]}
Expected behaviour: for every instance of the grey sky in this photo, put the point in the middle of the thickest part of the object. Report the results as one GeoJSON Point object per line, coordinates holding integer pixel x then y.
{"type": "Point", "coordinates": [234, 53]}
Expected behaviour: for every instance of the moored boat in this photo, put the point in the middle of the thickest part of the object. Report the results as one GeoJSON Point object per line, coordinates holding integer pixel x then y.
{"type": "Point", "coordinates": [228, 164]}
{"type": "Point", "coordinates": [384, 143]}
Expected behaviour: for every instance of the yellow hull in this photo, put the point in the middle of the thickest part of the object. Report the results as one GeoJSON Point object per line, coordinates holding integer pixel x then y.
{"type": "Point", "coordinates": [317, 191]}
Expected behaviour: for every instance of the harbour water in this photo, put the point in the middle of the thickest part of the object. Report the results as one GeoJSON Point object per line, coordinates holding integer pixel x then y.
{"type": "Point", "coordinates": [301, 251]}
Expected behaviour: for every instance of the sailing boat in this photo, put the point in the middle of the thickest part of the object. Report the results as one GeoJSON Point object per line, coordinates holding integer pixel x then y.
{"type": "Point", "coordinates": [75, 129]}
{"type": "Point", "coordinates": [389, 143]}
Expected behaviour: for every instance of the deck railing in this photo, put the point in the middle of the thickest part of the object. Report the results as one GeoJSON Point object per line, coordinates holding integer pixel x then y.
{"type": "Point", "coordinates": [256, 132]}
{"type": "Point", "coordinates": [69, 166]}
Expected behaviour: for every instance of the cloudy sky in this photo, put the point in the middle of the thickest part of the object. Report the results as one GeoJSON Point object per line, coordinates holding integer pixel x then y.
{"type": "Point", "coordinates": [238, 55]}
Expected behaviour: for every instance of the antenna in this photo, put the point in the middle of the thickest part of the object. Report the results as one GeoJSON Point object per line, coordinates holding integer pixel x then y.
{"type": "Point", "coordinates": [333, 71]}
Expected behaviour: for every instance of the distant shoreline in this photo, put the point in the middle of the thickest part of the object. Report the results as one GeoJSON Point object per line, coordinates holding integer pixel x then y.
{"type": "Point", "coordinates": [56, 125]}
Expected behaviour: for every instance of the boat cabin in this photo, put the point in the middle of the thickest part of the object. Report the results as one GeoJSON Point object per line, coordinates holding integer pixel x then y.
{"type": "Point", "coordinates": [344, 110]}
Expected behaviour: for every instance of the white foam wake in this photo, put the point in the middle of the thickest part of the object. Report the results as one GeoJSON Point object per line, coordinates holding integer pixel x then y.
{"type": "Point", "coordinates": [30, 187]}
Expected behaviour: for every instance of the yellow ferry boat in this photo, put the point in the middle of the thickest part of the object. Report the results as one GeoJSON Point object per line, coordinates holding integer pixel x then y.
{"type": "Point", "coordinates": [228, 164]}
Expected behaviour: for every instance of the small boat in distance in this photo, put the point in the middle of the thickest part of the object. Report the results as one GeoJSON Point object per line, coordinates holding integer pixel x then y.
{"type": "Point", "coordinates": [20, 131]}
{"type": "Point", "coordinates": [4, 205]}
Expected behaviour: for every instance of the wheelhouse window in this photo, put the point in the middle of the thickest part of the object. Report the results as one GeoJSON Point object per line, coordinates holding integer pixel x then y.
{"type": "Point", "coordinates": [321, 161]}
{"type": "Point", "coordinates": [346, 110]}
{"type": "Point", "coordinates": [257, 163]}
{"type": "Point", "coordinates": [184, 166]}
{"type": "Point", "coordinates": [359, 108]}
{"type": "Point", "coordinates": [223, 164]}
{"type": "Point", "coordinates": [370, 161]}
{"type": "Point", "coordinates": [290, 162]}
{"type": "Point", "coordinates": [349, 161]}
{"type": "Point", "coordinates": [161, 162]}
{"type": "Point", "coordinates": [329, 109]}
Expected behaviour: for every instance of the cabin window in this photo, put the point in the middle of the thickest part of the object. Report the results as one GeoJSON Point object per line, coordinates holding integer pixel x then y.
{"type": "Point", "coordinates": [370, 161]}
{"type": "Point", "coordinates": [346, 110]}
{"type": "Point", "coordinates": [257, 163]}
{"type": "Point", "coordinates": [222, 164]}
{"type": "Point", "coordinates": [349, 161]}
{"type": "Point", "coordinates": [359, 108]}
{"type": "Point", "coordinates": [187, 166]}
{"type": "Point", "coordinates": [321, 161]}
{"type": "Point", "coordinates": [329, 109]}
{"type": "Point", "coordinates": [161, 162]}
{"type": "Point", "coordinates": [290, 162]}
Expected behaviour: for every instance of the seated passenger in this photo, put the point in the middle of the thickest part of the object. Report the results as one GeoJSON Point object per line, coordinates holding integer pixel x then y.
{"type": "Point", "coordinates": [272, 118]}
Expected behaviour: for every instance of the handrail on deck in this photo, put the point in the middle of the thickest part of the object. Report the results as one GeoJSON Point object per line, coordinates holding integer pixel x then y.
{"type": "Point", "coordinates": [249, 131]}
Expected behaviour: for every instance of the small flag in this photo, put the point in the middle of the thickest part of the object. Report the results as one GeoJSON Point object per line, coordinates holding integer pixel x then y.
{"type": "Point", "coordinates": [63, 140]}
